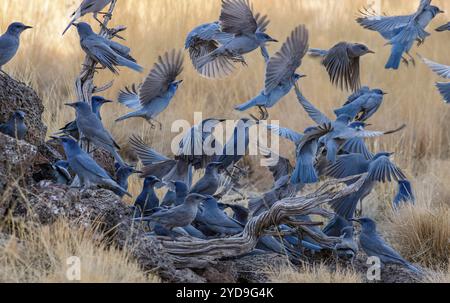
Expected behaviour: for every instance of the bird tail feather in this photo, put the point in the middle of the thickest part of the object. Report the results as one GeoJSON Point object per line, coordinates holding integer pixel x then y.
{"type": "Point", "coordinates": [317, 52]}
{"type": "Point", "coordinates": [130, 115]}
{"type": "Point", "coordinates": [251, 103]}
{"type": "Point", "coordinates": [395, 58]}
{"type": "Point", "coordinates": [304, 174]}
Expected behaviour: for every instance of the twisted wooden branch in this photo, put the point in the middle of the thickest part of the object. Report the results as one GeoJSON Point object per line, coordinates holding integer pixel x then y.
{"type": "Point", "coordinates": [190, 252]}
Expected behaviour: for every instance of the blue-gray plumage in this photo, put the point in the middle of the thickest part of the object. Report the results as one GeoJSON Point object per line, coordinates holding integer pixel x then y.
{"type": "Point", "coordinates": [378, 169]}
{"type": "Point", "coordinates": [61, 172]}
{"type": "Point", "coordinates": [241, 213]}
{"type": "Point", "coordinates": [215, 219]}
{"type": "Point", "coordinates": [342, 63]}
{"type": "Point", "coordinates": [347, 248]}
{"type": "Point", "coordinates": [248, 30]}
{"type": "Point", "coordinates": [86, 7]}
{"type": "Point", "coordinates": [123, 173]}
{"type": "Point", "coordinates": [107, 53]}
{"type": "Point", "coordinates": [180, 216]}
{"type": "Point", "coordinates": [443, 28]}
{"type": "Point", "coordinates": [363, 104]}
{"type": "Point", "coordinates": [157, 90]}
{"type": "Point", "coordinates": [404, 194]}
{"type": "Point", "coordinates": [10, 41]}
{"type": "Point", "coordinates": [237, 146]}
{"type": "Point", "coordinates": [71, 128]}
{"type": "Point", "coordinates": [147, 199]}
{"type": "Point", "coordinates": [444, 72]}
{"type": "Point", "coordinates": [169, 198]}
{"type": "Point", "coordinates": [209, 183]}
{"type": "Point", "coordinates": [335, 226]}
{"type": "Point", "coordinates": [93, 130]}
{"type": "Point", "coordinates": [375, 246]}
{"type": "Point", "coordinates": [15, 127]}
{"type": "Point", "coordinates": [401, 31]}
{"type": "Point", "coordinates": [273, 245]}
{"type": "Point", "coordinates": [281, 72]}
{"type": "Point", "coordinates": [88, 171]}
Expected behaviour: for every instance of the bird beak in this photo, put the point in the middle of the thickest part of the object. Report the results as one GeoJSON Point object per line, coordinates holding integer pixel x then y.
{"type": "Point", "coordinates": [273, 40]}
{"type": "Point", "coordinates": [108, 101]}
{"type": "Point", "coordinates": [384, 93]}
{"type": "Point", "coordinates": [441, 11]}
{"type": "Point", "coordinates": [391, 154]}
{"type": "Point", "coordinates": [27, 27]}
{"type": "Point", "coordinates": [368, 124]}
{"type": "Point", "coordinates": [137, 171]}
{"type": "Point", "coordinates": [303, 76]}
{"type": "Point", "coordinates": [370, 52]}
{"type": "Point", "coordinates": [180, 81]}
{"type": "Point", "coordinates": [70, 104]}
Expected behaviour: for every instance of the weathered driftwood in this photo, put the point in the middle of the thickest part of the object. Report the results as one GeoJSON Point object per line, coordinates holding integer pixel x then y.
{"type": "Point", "coordinates": [195, 253]}
{"type": "Point", "coordinates": [85, 82]}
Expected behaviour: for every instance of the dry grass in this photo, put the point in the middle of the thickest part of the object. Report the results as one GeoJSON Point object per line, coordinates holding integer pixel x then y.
{"type": "Point", "coordinates": [50, 64]}
{"type": "Point", "coordinates": [314, 274]}
{"type": "Point", "coordinates": [39, 254]}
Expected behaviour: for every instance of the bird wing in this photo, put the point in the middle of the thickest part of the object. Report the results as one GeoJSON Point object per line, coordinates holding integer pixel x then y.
{"type": "Point", "coordinates": [286, 133]}
{"type": "Point", "coordinates": [387, 26]}
{"type": "Point", "coordinates": [280, 168]}
{"type": "Point", "coordinates": [130, 97]}
{"type": "Point", "coordinates": [282, 66]}
{"type": "Point", "coordinates": [147, 155]}
{"type": "Point", "coordinates": [192, 143]}
{"type": "Point", "coordinates": [262, 22]}
{"type": "Point", "coordinates": [440, 69]}
{"type": "Point", "coordinates": [383, 170]}
{"type": "Point", "coordinates": [87, 163]}
{"type": "Point", "coordinates": [422, 6]}
{"type": "Point", "coordinates": [93, 127]}
{"type": "Point", "coordinates": [356, 95]}
{"type": "Point", "coordinates": [347, 166]}
{"type": "Point", "coordinates": [445, 27]}
{"type": "Point", "coordinates": [444, 89]}
{"type": "Point", "coordinates": [237, 17]}
{"type": "Point", "coordinates": [101, 52]}
{"type": "Point", "coordinates": [315, 114]}
{"type": "Point", "coordinates": [380, 247]}
{"type": "Point", "coordinates": [357, 146]}
{"type": "Point", "coordinates": [164, 72]}
{"type": "Point", "coordinates": [343, 70]}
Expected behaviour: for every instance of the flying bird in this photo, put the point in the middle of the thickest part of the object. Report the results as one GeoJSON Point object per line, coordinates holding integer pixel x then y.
{"type": "Point", "coordinates": [86, 7]}
{"type": "Point", "coordinates": [444, 72]}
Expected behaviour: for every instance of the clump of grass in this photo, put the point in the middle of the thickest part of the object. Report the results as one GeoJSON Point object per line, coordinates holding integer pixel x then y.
{"type": "Point", "coordinates": [318, 273]}
{"type": "Point", "coordinates": [39, 254]}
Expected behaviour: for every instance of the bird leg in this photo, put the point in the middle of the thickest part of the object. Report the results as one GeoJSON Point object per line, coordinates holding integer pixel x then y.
{"type": "Point", "coordinates": [153, 125]}
{"type": "Point", "coordinates": [404, 60]}
{"type": "Point", "coordinates": [412, 60]}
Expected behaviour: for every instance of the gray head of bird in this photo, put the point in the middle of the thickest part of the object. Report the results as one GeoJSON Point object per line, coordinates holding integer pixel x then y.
{"type": "Point", "coordinates": [435, 10]}
{"type": "Point", "coordinates": [84, 29]}
{"type": "Point", "coordinates": [194, 199]}
{"type": "Point", "coordinates": [17, 28]}
{"type": "Point", "coordinates": [357, 50]}
{"type": "Point", "coordinates": [19, 115]}
{"type": "Point", "coordinates": [80, 106]}
{"type": "Point", "coordinates": [264, 38]}
{"type": "Point", "coordinates": [367, 224]}
{"type": "Point", "coordinates": [297, 77]}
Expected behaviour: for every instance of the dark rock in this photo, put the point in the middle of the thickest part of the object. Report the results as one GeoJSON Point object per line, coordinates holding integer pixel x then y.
{"type": "Point", "coordinates": [14, 96]}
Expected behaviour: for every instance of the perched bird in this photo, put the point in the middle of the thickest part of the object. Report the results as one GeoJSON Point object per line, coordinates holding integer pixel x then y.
{"type": "Point", "coordinates": [86, 7]}
{"type": "Point", "coordinates": [71, 128]}
{"type": "Point", "coordinates": [404, 194]}
{"type": "Point", "coordinates": [15, 127]}
{"type": "Point", "coordinates": [157, 90]}
{"type": "Point", "coordinates": [61, 172]}
{"type": "Point", "coordinates": [375, 246]}
{"type": "Point", "coordinates": [237, 146]}
{"type": "Point", "coordinates": [378, 169]}
{"type": "Point", "coordinates": [160, 166]}
{"type": "Point", "coordinates": [363, 104]}
{"type": "Point", "coordinates": [107, 53]}
{"type": "Point", "coordinates": [281, 72]}
{"type": "Point", "coordinates": [241, 213]}
{"type": "Point", "coordinates": [347, 248]}
{"type": "Point", "coordinates": [180, 216]}
{"type": "Point", "coordinates": [210, 182]}
{"type": "Point", "coordinates": [443, 28]}
{"type": "Point", "coordinates": [401, 31]}
{"type": "Point", "coordinates": [147, 199]}
{"type": "Point", "coordinates": [335, 226]}
{"type": "Point", "coordinates": [123, 173]}
{"type": "Point", "coordinates": [215, 219]}
{"type": "Point", "coordinates": [10, 41]}
{"type": "Point", "coordinates": [88, 171]}
{"type": "Point", "coordinates": [443, 71]}
{"type": "Point", "coordinates": [342, 63]}
{"type": "Point", "coordinates": [248, 30]}
{"type": "Point", "coordinates": [93, 130]}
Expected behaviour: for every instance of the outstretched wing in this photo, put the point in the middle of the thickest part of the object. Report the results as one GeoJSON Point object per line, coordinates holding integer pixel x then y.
{"type": "Point", "coordinates": [315, 114]}
{"type": "Point", "coordinates": [130, 97]}
{"type": "Point", "coordinates": [164, 72]}
{"type": "Point", "coordinates": [147, 155]}
{"type": "Point", "coordinates": [282, 66]}
{"type": "Point", "coordinates": [347, 166]}
{"type": "Point", "coordinates": [440, 69]}
{"type": "Point", "coordinates": [387, 26]}
{"type": "Point", "coordinates": [237, 17]}
{"type": "Point", "coordinates": [286, 133]}
{"type": "Point", "coordinates": [383, 170]}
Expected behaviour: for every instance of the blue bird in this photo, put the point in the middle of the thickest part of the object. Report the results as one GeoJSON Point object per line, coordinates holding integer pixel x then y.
{"type": "Point", "coordinates": [375, 246]}
{"type": "Point", "coordinates": [444, 72]}
{"type": "Point", "coordinates": [123, 173]}
{"type": "Point", "coordinates": [363, 104]}
{"type": "Point", "coordinates": [335, 226]}
{"type": "Point", "coordinates": [401, 31]}
{"type": "Point", "coordinates": [61, 172]}
{"type": "Point", "coordinates": [157, 90]}
{"type": "Point", "coordinates": [380, 169]}
{"type": "Point", "coordinates": [86, 7]}
{"type": "Point", "coordinates": [280, 72]}
{"type": "Point", "coordinates": [181, 192]}
{"type": "Point", "coordinates": [93, 130]}
{"type": "Point", "coordinates": [10, 42]}
{"type": "Point", "coordinates": [216, 220]}
{"type": "Point", "coordinates": [404, 194]}
{"type": "Point", "coordinates": [347, 249]}
{"type": "Point", "coordinates": [15, 127]}
{"type": "Point", "coordinates": [248, 31]}
{"type": "Point", "coordinates": [71, 128]}
{"type": "Point", "coordinates": [107, 53]}
{"type": "Point", "coordinates": [210, 182]}
{"type": "Point", "coordinates": [88, 171]}
{"type": "Point", "coordinates": [147, 199]}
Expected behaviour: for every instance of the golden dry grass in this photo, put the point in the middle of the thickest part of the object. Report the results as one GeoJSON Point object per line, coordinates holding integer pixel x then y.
{"type": "Point", "coordinates": [318, 273]}
{"type": "Point", "coordinates": [39, 254]}
{"type": "Point", "coordinates": [50, 64]}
